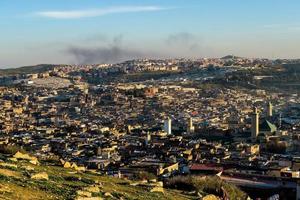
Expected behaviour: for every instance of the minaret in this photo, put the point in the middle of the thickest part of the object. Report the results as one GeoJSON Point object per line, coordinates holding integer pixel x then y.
{"type": "Point", "coordinates": [270, 110]}
{"type": "Point", "coordinates": [190, 126]}
{"type": "Point", "coordinates": [254, 124]}
{"type": "Point", "coordinates": [280, 120]}
{"type": "Point", "coordinates": [148, 138]}
{"type": "Point", "coordinates": [168, 126]}
{"type": "Point", "coordinates": [86, 95]}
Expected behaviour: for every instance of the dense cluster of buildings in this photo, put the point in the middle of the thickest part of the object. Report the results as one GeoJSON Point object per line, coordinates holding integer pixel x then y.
{"type": "Point", "coordinates": [164, 128]}
{"type": "Point", "coordinates": [136, 66]}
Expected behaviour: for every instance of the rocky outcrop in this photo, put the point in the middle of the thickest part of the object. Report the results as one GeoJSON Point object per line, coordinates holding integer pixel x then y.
{"type": "Point", "coordinates": [211, 197]}
{"type": "Point", "coordinates": [157, 189]}
{"type": "Point", "coordinates": [23, 156]}
{"type": "Point", "coordinates": [40, 176]}
{"type": "Point", "coordinates": [73, 165]}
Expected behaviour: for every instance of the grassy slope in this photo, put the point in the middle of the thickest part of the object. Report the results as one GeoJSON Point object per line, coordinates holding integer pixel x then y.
{"type": "Point", "coordinates": [15, 183]}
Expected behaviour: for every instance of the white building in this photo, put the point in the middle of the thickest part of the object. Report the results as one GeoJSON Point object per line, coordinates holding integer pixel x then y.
{"type": "Point", "coordinates": [190, 126]}
{"type": "Point", "coordinates": [168, 126]}
{"type": "Point", "coordinates": [270, 110]}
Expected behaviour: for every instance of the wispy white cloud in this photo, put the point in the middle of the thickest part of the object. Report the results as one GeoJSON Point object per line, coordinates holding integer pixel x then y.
{"type": "Point", "coordinates": [76, 14]}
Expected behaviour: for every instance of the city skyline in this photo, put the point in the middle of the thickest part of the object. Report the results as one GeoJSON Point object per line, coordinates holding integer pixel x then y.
{"type": "Point", "coordinates": [75, 32]}
{"type": "Point", "coordinates": [128, 99]}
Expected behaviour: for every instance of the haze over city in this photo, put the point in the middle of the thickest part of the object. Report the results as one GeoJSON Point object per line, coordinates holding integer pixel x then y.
{"type": "Point", "coordinates": [86, 32]}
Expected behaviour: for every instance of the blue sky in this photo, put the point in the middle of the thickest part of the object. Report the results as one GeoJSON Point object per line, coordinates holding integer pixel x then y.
{"type": "Point", "coordinates": [94, 31]}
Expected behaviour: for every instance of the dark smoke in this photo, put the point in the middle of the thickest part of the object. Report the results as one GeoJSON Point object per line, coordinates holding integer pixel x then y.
{"type": "Point", "coordinates": [105, 53]}
{"type": "Point", "coordinates": [102, 49]}
{"type": "Point", "coordinates": [111, 54]}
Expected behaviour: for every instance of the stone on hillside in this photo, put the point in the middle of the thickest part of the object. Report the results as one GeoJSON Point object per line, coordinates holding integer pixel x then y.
{"type": "Point", "coordinates": [84, 193]}
{"type": "Point", "coordinates": [25, 156]}
{"type": "Point", "coordinates": [93, 189]}
{"type": "Point", "coordinates": [13, 159]}
{"type": "Point", "coordinates": [144, 181]}
{"type": "Point", "coordinates": [157, 189]}
{"type": "Point", "coordinates": [79, 168]}
{"type": "Point", "coordinates": [28, 168]}
{"type": "Point", "coordinates": [210, 197]}
{"type": "Point", "coordinates": [72, 172]}
{"type": "Point", "coordinates": [62, 161]}
{"type": "Point", "coordinates": [199, 195]}
{"type": "Point", "coordinates": [153, 180]}
{"type": "Point", "coordinates": [88, 198]}
{"type": "Point", "coordinates": [134, 183]}
{"type": "Point", "coordinates": [160, 184]}
{"type": "Point", "coordinates": [34, 162]}
{"type": "Point", "coordinates": [40, 176]}
{"type": "Point", "coordinates": [107, 194]}
{"type": "Point", "coordinates": [67, 164]}
{"type": "Point", "coordinates": [73, 165]}
{"type": "Point", "coordinates": [9, 165]}
{"type": "Point", "coordinates": [98, 183]}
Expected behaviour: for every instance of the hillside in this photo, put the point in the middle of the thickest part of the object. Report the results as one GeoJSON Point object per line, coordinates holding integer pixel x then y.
{"type": "Point", "coordinates": [29, 178]}
{"type": "Point", "coordinates": [230, 57]}
{"type": "Point", "coordinates": [26, 70]}
{"type": "Point", "coordinates": [23, 180]}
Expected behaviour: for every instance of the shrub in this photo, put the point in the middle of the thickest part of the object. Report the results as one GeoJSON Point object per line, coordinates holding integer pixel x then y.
{"type": "Point", "coordinates": [209, 185]}
{"type": "Point", "coordinates": [144, 176]}
{"type": "Point", "coordinates": [11, 149]}
{"type": "Point", "coordinates": [181, 183]}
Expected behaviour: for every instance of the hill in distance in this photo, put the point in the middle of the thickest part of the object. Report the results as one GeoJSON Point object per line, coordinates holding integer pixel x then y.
{"type": "Point", "coordinates": [26, 69]}
{"type": "Point", "coordinates": [230, 57]}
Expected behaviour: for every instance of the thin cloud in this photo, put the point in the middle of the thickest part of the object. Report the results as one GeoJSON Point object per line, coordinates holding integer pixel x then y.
{"type": "Point", "coordinates": [76, 14]}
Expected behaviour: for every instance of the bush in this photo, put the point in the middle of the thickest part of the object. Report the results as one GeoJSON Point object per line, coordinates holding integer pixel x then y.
{"type": "Point", "coordinates": [181, 183]}
{"type": "Point", "coordinates": [208, 185]}
{"type": "Point", "coordinates": [11, 149]}
{"type": "Point", "coordinates": [144, 176]}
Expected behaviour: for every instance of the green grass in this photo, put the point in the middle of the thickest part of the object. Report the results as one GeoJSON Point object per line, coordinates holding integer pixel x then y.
{"type": "Point", "coordinates": [63, 184]}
